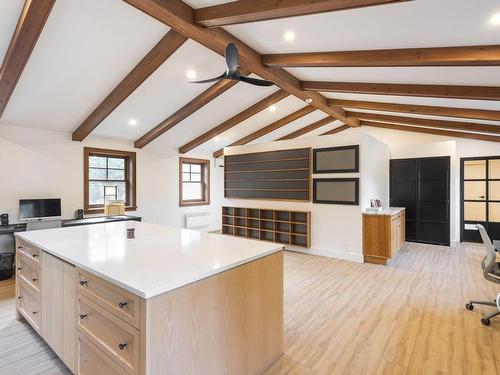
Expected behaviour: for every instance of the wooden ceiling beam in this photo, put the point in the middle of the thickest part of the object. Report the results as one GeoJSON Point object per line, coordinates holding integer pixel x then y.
{"type": "Point", "coordinates": [336, 130]}
{"type": "Point", "coordinates": [308, 128]}
{"type": "Point", "coordinates": [28, 29]}
{"type": "Point", "coordinates": [476, 114]}
{"type": "Point", "coordinates": [439, 56]}
{"type": "Point", "coordinates": [180, 16]}
{"type": "Point", "coordinates": [435, 91]}
{"type": "Point", "coordinates": [269, 128]}
{"type": "Point", "coordinates": [258, 10]}
{"type": "Point", "coordinates": [446, 133]}
{"type": "Point", "coordinates": [469, 126]}
{"type": "Point", "coordinates": [235, 120]}
{"type": "Point", "coordinates": [165, 48]}
{"type": "Point", "coordinates": [201, 100]}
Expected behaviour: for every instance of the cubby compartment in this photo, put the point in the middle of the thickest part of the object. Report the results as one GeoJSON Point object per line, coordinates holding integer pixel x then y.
{"type": "Point", "coordinates": [254, 223]}
{"type": "Point", "coordinates": [282, 238]}
{"type": "Point", "coordinates": [240, 222]}
{"type": "Point", "coordinates": [255, 234]}
{"type": "Point", "coordinates": [269, 225]}
{"type": "Point", "coordinates": [282, 215]}
{"type": "Point", "coordinates": [240, 212]}
{"type": "Point", "coordinates": [227, 220]}
{"type": "Point", "coordinates": [266, 236]}
{"type": "Point", "coordinates": [299, 217]}
{"type": "Point", "coordinates": [241, 232]}
{"type": "Point", "coordinates": [227, 211]}
{"type": "Point", "coordinates": [252, 212]}
{"type": "Point", "coordinates": [282, 227]}
{"type": "Point", "coordinates": [267, 214]}
{"type": "Point", "coordinates": [299, 228]}
{"type": "Point", "coordinates": [227, 229]}
{"type": "Point", "coordinates": [299, 241]}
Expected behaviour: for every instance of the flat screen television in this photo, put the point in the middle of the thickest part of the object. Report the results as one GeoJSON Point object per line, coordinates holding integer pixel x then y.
{"type": "Point", "coordinates": [38, 209]}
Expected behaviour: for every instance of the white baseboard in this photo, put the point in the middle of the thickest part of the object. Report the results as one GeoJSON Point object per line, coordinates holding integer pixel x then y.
{"type": "Point", "coordinates": [353, 257]}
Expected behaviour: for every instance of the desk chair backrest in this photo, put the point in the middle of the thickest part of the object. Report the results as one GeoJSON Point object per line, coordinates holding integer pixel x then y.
{"type": "Point", "coordinates": [488, 264]}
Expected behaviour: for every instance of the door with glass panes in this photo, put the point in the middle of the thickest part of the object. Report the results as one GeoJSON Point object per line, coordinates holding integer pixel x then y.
{"type": "Point", "coordinates": [480, 196]}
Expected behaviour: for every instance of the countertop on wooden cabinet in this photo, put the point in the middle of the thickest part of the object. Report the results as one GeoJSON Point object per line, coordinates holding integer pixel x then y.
{"type": "Point", "coordinates": [386, 212]}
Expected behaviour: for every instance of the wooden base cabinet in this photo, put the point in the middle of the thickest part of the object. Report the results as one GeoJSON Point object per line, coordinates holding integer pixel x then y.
{"type": "Point", "coordinates": [383, 235]}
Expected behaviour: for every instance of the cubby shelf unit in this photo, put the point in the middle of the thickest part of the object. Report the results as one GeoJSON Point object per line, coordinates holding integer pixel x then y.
{"type": "Point", "coordinates": [280, 226]}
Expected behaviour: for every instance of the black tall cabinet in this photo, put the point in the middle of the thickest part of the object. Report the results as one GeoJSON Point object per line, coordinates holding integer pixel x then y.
{"type": "Point", "coordinates": [423, 186]}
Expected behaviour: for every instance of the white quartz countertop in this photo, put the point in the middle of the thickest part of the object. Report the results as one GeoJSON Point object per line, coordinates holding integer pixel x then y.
{"type": "Point", "coordinates": [159, 258]}
{"type": "Point", "coordinates": [386, 211]}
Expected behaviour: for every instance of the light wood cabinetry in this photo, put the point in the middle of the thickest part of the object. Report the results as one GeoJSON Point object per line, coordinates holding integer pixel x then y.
{"type": "Point", "coordinates": [383, 235]}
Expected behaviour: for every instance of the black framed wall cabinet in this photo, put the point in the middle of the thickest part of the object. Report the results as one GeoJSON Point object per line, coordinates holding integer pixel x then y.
{"type": "Point", "coordinates": [344, 159]}
{"type": "Point", "coordinates": [336, 191]}
{"type": "Point", "coordinates": [479, 197]}
{"type": "Point", "coordinates": [422, 186]}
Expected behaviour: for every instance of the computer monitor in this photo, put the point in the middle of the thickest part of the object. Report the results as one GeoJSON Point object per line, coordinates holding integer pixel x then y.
{"type": "Point", "coordinates": [39, 209]}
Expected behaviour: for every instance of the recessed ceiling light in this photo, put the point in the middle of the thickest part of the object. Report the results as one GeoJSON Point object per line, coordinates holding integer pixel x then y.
{"type": "Point", "coordinates": [132, 122]}
{"type": "Point", "coordinates": [289, 36]}
{"type": "Point", "coordinates": [191, 74]}
{"type": "Point", "coordinates": [309, 100]}
{"type": "Point", "coordinates": [272, 108]}
{"type": "Point", "coordinates": [495, 19]}
{"type": "Point", "coordinates": [216, 138]}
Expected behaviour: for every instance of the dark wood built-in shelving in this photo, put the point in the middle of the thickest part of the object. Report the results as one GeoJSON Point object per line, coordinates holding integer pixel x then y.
{"type": "Point", "coordinates": [287, 227]}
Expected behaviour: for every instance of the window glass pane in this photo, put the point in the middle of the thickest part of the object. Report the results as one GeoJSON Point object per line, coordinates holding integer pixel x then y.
{"type": "Point", "coordinates": [191, 191]}
{"type": "Point", "coordinates": [116, 174]}
{"type": "Point", "coordinates": [195, 177]}
{"type": "Point", "coordinates": [96, 191]}
{"type": "Point", "coordinates": [475, 190]}
{"type": "Point", "coordinates": [97, 161]}
{"type": "Point", "coordinates": [185, 167]}
{"type": "Point", "coordinates": [186, 177]}
{"type": "Point", "coordinates": [116, 163]}
{"type": "Point", "coordinates": [474, 211]}
{"type": "Point", "coordinates": [494, 169]}
{"type": "Point", "coordinates": [494, 212]}
{"type": "Point", "coordinates": [494, 191]}
{"type": "Point", "coordinates": [97, 174]}
{"type": "Point", "coordinates": [474, 169]}
{"type": "Point", "coordinates": [196, 168]}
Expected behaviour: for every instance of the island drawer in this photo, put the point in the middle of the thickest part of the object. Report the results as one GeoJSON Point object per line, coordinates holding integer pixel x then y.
{"type": "Point", "coordinates": [119, 340]}
{"type": "Point", "coordinates": [120, 302]}
{"type": "Point", "coordinates": [28, 272]}
{"type": "Point", "coordinates": [28, 303]}
{"type": "Point", "coordinates": [92, 360]}
{"type": "Point", "coordinates": [30, 251]}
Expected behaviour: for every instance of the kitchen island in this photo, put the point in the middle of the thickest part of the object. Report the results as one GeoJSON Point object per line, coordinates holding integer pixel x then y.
{"type": "Point", "coordinates": [169, 301]}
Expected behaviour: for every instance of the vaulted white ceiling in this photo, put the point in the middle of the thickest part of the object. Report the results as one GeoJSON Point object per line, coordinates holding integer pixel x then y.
{"type": "Point", "coordinates": [87, 47]}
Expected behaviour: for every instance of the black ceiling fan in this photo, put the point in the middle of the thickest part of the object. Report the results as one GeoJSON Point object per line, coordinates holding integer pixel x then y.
{"type": "Point", "coordinates": [232, 70]}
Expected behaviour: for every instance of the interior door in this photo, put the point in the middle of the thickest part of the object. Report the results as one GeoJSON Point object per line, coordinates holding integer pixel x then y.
{"type": "Point", "coordinates": [480, 196]}
{"type": "Point", "coordinates": [422, 185]}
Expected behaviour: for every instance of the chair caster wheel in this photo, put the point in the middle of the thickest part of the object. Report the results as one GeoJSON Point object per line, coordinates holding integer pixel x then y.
{"type": "Point", "coordinates": [469, 306]}
{"type": "Point", "coordinates": [486, 322]}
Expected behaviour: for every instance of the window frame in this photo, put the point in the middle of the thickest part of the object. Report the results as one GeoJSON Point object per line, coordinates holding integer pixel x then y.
{"type": "Point", "coordinates": [130, 178]}
{"type": "Point", "coordinates": [205, 182]}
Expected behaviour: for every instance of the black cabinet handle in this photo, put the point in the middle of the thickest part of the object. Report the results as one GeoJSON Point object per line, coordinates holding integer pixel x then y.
{"type": "Point", "coordinates": [35, 279]}
{"type": "Point", "coordinates": [19, 268]}
{"type": "Point", "coordinates": [35, 255]}
{"type": "Point", "coordinates": [83, 316]}
{"type": "Point", "coordinates": [20, 297]}
{"type": "Point", "coordinates": [83, 283]}
{"type": "Point", "coordinates": [122, 304]}
{"type": "Point", "coordinates": [35, 312]}
{"type": "Point", "coordinates": [481, 196]}
{"type": "Point", "coordinates": [20, 247]}
{"type": "Point", "coordinates": [122, 346]}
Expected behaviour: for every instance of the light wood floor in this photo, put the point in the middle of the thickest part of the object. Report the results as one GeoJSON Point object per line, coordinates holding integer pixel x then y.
{"type": "Point", "coordinates": [349, 318]}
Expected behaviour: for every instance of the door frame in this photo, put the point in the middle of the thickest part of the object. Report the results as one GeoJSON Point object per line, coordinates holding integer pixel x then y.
{"type": "Point", "coordinates": [487, 187]}
{"type": "Point", "coordinates": [448, 211]}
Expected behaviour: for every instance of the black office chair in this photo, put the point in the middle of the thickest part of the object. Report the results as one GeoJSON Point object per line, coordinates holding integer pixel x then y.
{"type": "Point", "coordinates": [491, 272]}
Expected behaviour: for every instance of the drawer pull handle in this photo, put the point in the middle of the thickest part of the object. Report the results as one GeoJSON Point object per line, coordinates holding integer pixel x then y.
{"type": "Point", "coordinates": [19, 268]}
{"type": "Point", "coordinates": [122, 346]}
{"type": "Point", "coordinates": [83, 316]}
{"type": "Point", "coordinates": [20, 297]}
{"type": "Point", "coordinates": [35, 312]}
{"type": "Point", "coordinates": [34, 279]}
{"type": "Point", "coordinates": [35, 255]}
{"type": "Point", "coordinates": [122, 304]}
{"type": "Point", "coordinates": [20, 247]}
{"type": "Point", "coordinates": [83, 283]}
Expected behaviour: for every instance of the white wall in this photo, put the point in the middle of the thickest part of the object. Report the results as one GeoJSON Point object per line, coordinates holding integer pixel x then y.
{"type": "Point", "coordinates": [39, 163]}
{"type": "Point", "coordinates": [336, 230]}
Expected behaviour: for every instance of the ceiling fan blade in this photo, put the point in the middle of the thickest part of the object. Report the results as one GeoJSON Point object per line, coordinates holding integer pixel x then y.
{"type": "Point", "coordinates": [222, 76]}
{"type": "Point", "coordinates": [256, 81]}
{"type": "Point", "coordinates": [231, 58]}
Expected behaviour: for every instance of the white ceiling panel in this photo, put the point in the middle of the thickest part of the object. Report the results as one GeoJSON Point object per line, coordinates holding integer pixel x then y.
{"type": "Point", "coordinates": [233, 101]}
{"type": "Point", "coordinates": [291, 127]}
{"type": "Point", "coordinates": [442, 102]}
{"type": "Point", "coordinates": [470, 75]}
{"type": "Point", "coordinates": [10, 10]}
{"type": "Point", "coordinates": [164, 92]}
{"type": "Point", "coordinates": [84, 51]}
{"type": "Point", "coordinates": [421, 23]}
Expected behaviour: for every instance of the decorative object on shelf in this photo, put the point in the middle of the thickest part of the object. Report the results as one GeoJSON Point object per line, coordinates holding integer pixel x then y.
{"type": "Point", "coordinates": [113, 208]}
{"type": "Point", "coordinates": [287, 227]}
{"type": "Point", "coordinates": [344, 159]}
{"type": "Point", "coordinates": [273, 175]}
{"type": "Point", "coordinates": [336, 191]}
